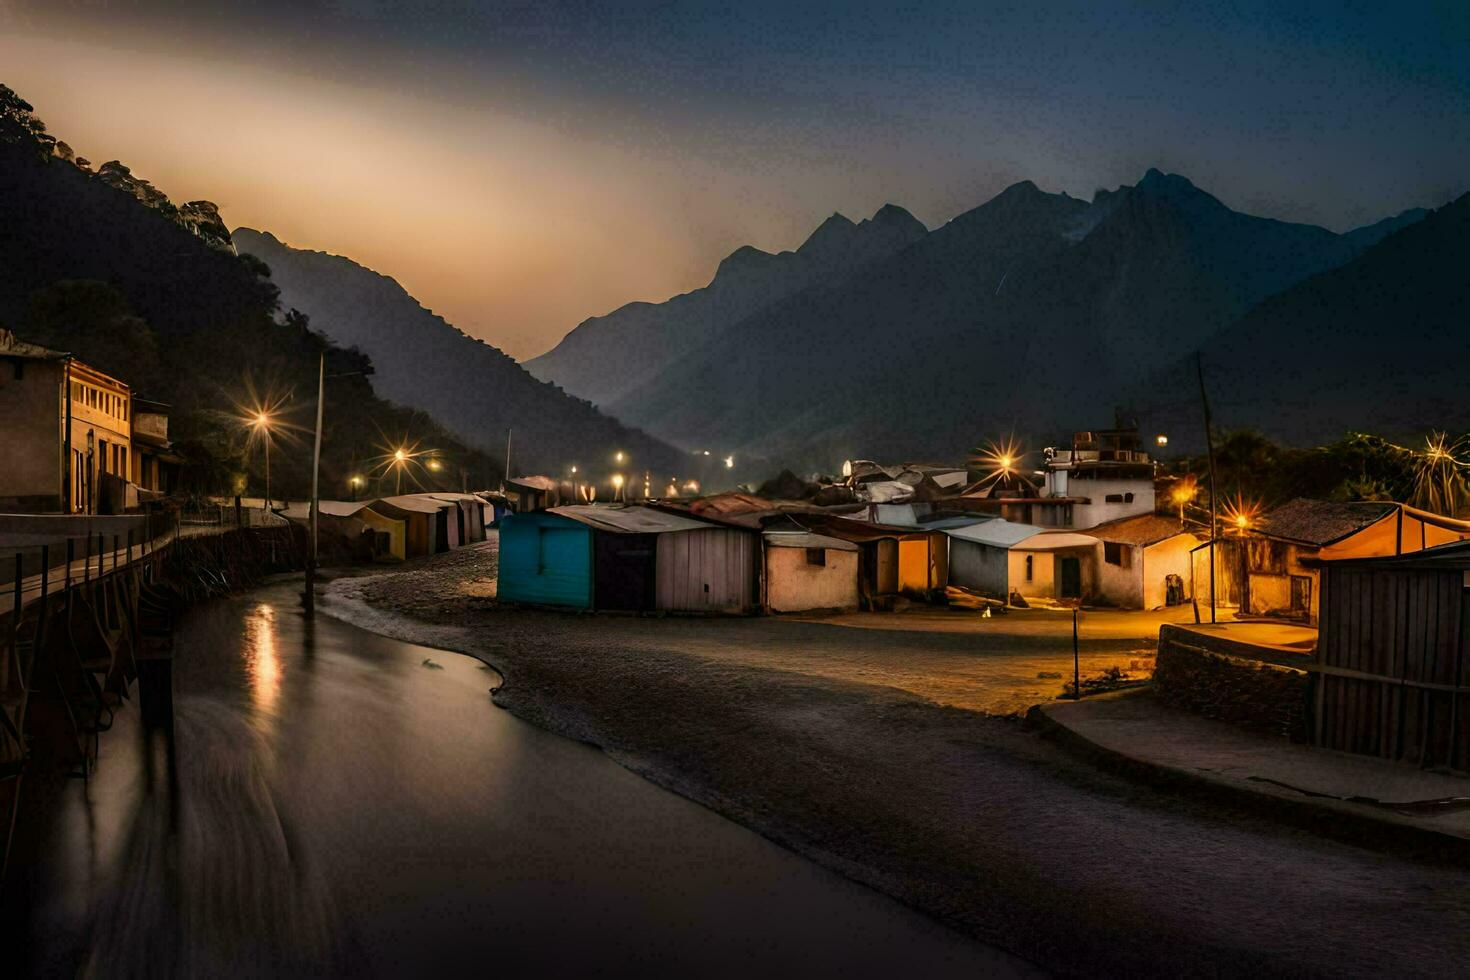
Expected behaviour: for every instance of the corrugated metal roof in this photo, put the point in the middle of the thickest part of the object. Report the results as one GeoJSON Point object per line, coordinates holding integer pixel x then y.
{"type": "Point", "coordinates": [806, 539]}
{"type": "Point", "coordinates": [301, 510]}
{"type": "Point", "coordinates": [1055, 541]}
{"type": "Point", "coordinates": [418, 502]}
{"type": "Point", "coordinates": [953, 523]}
{"type": "Point", "coordinates": [999, 533]}
{"type": "Point", "coordinates": [625, 519]}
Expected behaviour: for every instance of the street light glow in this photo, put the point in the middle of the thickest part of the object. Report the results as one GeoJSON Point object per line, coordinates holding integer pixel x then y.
{"type": "Point", "coordinates": [434, 465]}
{"type": "Point", "coordinates": [399, 455]}
{"type": "Point", "coordinates": [729, 462]}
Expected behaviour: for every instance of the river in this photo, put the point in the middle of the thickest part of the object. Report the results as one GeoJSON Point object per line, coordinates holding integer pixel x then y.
{"type": "Point", "coordinates": [349, 803]}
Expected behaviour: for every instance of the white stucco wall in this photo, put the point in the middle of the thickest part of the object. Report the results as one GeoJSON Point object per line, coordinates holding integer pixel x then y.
{"type": "Point", "coordinates": [1099, 511]}
{"type": "Point", "coordinates": [1122, 587]}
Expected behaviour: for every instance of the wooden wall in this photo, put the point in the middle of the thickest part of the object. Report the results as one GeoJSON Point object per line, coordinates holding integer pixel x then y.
{"type": "Point", "coordinates": [1392, 659]}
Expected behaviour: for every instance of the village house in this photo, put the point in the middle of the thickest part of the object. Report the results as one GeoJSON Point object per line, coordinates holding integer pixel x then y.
{"type": "Point", "coordinates": [155, 465]}
{"type": "Point", "coordinates": [1104, 476]}
{"type": "Point", "coordinates": [68, 432]}
{"type": "Point", "coordinates": [805, 572]}
{"type": "Point", "coordinates": [1144, 562]}
{"type": "Point", "coordinates": [424, 531]}
{"type": "Point", "coordinates": [908, 561]}
{"type": "Point", "coordinates": [621, 557]}
{"type": "Point", "coordinates": [527, 493]}
{"type": "Point", "coordinates": [999, 557]}
{"type": "Point", "coordinates": [1283, 553]}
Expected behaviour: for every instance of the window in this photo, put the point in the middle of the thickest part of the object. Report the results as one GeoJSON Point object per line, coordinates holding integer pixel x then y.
{"type": "Point", "coordinates": [1127, 498]}
{"type": "Point", "coordinates": [816, 556]}
{"type": "Point", "coordinates": [1114, 498]}
{"type": "Point", "coordinates": [1030, 566]}
{"type": "Point", "coordinates": [1117, 554]}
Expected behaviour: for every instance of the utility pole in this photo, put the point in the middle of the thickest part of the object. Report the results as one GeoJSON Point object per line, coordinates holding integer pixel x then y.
{"type": "Point", "coordinates": [508, 433]}
{"type": "Point", "coordinates": [1199, 367]}
{"type": "Point", "coordinates": [309, 596]}
{"type": "Point", "coordinates": [1076, 660]}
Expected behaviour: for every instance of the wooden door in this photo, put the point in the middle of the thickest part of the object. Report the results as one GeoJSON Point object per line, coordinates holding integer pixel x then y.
{"type": "Point", "coordinates": [1070, 584]}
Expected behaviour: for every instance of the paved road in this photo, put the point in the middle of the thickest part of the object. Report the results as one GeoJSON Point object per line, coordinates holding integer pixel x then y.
{"type": "Point", "coordinates": [825, 739]}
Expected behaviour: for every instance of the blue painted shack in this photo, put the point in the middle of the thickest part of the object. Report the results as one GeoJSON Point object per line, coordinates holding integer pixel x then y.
{"type": "Point", "coordinates": [545, 559]}
{"type": "Point", "coordinates": [626, 558]}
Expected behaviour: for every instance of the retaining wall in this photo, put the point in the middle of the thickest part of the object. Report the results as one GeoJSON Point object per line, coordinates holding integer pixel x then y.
{"type": "Point", "coordinates": [1252, 694]}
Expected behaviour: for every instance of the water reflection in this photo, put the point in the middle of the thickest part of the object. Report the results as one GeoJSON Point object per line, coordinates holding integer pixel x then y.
{"type": "Point", "coordinates": [345, 811]}
{"type": "Point", "coordinates": [262, 662]}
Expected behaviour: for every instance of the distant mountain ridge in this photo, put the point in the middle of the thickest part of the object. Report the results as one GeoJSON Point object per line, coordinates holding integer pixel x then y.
{"type": "Point", "coordinates": [606, 357]}
{"type": "Point", "coordinates": [421, 360]}
{"type": "Point", "coordinates": [1034, 312]}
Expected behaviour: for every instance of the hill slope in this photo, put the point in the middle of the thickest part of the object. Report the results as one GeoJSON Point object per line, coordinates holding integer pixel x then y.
{"type": "Point", "coordinates": [423, 361]}
{"type": "Point", "coordinates": [606, 357]}
{"type": "Point", "coordinates": [1380, 344]}
{"type": "Point", "coordinates": [104, 265]}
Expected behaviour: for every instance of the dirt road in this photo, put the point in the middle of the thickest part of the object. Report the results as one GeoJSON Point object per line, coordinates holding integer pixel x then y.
{"type": "Point", "coordinates": [863, 752]}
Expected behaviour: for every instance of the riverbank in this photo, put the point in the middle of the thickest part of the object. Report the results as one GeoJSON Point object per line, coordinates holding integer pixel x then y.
{"type": "Point", "coordinates": [828, 743]}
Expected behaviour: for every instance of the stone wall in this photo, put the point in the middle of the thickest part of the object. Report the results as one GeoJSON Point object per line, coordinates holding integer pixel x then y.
{"type": "Point", "coordinates": [1252, 694]}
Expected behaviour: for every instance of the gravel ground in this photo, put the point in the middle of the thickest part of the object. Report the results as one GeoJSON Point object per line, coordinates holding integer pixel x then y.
{"type": "Point", "coordinates": [870, 753]}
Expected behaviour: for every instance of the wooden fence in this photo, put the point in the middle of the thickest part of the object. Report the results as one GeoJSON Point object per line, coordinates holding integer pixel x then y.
{"type": "Point", "coordinates": [1392, 669]}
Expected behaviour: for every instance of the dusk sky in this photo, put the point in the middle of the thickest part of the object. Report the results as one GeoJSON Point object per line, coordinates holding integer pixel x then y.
{"type": "Point", "coordinates": [519, 167]}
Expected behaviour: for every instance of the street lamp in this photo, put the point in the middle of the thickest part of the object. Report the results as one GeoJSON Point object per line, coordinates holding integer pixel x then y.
{"type": "Point", "coordinates": [262, 424]}
{"type": "Point", "coordinates": [400, 457]}
{"type": "Point", "coordinates": [618, 485]}
{"type": "Point", "coordinates": [356, 484]}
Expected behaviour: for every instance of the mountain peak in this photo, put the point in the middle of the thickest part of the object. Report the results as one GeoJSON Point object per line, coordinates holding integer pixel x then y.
{"type": "Point", "coordinates": [831, 234]}
{"type": "Point", "coordinates": [892, 214]}
{"type": "Point", "coordinates": [892, 220]}
{"type": "Point", "coordinates": [743, 259]}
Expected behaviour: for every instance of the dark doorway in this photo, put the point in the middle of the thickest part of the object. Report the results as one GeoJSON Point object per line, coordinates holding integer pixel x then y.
{"type": "Point", "coordinates": [1301, 595]}
{"type": "Point", "coordinates": [1070, 574]}
{"type": "Point", "coordinates": [623, 569]}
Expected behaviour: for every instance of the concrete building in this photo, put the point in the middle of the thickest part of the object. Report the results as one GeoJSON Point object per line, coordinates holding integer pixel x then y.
{"type": "Point", "coordinates": [1144, 562]}
{"type": "Point", "coordinates": [806, 572]}
{"type": "Point", "coordinates": [68, 432]}
{"type": "Point", "coordinates": [1105, 476]}
{"type": "Point", "coordinates": [155, 465]}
